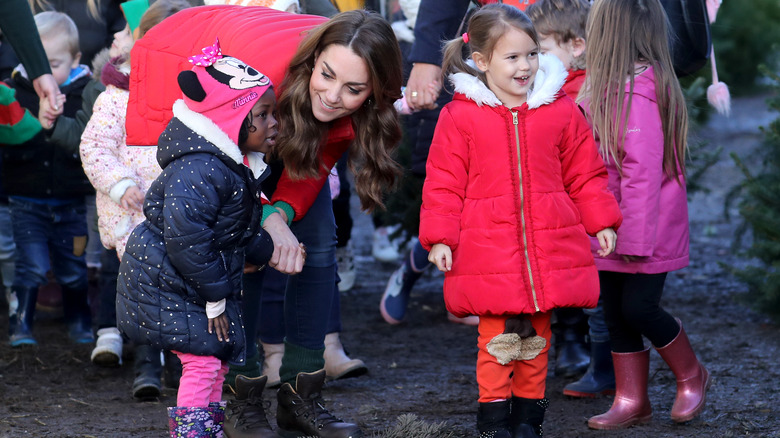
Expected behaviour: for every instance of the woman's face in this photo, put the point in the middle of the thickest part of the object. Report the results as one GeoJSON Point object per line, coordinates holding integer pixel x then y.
{"type": "Point", "coordinates": [339, 84]}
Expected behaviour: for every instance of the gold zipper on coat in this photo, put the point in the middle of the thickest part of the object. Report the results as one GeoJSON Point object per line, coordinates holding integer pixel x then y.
{"type": "Point", "coordinates": [522, 211]}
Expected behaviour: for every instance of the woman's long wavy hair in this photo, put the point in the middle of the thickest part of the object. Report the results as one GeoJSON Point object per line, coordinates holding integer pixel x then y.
{"type": "Point", "coordinates": [376, 122]}
{"type": "Point", "coordinates": [621, 35]}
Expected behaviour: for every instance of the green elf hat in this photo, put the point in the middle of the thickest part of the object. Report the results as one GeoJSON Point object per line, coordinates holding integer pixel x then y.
{"type": "Point", "coordinates": [134, 10]}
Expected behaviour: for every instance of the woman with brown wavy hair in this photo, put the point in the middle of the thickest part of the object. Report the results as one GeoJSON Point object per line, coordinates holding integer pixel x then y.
{"type": "Point", "coordinates": [337, 97]}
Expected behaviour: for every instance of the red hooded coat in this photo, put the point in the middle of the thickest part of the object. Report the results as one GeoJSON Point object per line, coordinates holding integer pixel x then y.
{"type": "Point", "coordinates": [515, 193]}
{"type": "Point", "coordinates": [264, 38]}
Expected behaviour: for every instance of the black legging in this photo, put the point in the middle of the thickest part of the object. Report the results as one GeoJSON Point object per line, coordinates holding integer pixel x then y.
{"type": "Point", "coordinates": [632, 308]}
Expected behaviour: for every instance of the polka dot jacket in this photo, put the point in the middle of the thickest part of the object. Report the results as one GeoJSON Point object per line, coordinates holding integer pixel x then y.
{"type": "Point", "coordinates": [201, 214]}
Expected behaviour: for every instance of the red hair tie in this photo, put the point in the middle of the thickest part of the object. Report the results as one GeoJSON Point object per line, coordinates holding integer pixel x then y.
{"type": "Point", "coordinates": [465, 37]}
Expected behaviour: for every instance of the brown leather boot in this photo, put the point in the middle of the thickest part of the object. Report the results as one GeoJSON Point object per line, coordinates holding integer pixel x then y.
{"type": "Point", "coordinates": [300, 412]}
{"type": "Point", "coordinates": [337, 364]}
{"type": "Point", "coordinates": [272, 362]}
{"type": "Point", "coordinates": [631, 405]}
{"type": "Point", "coordinates": [245, 415]}
{"type": "Point", "coordinates": [693, 380]}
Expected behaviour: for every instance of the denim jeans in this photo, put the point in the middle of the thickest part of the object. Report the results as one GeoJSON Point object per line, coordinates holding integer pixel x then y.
{"type": "Point", "coordinates": [310, 295]}
{"type": "Point", "coordinates": [45, 233]}
{"type": "Point", "coordinates": [95, 248]}
{"type": "Point", "coordinates": [109, 270]}
{"type": "Point", "coordinates": [7, 247]}
{"type": "Point", "coordinates": [266, 289]}
{"type": "Point", "coordinates": [597, 326]}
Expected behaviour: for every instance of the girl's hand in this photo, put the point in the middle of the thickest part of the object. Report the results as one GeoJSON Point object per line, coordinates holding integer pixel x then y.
{"type": "Point", "coordinates": [47, 115]}
{"type": "Point", "coordinates": [220, 325]}
{"type": "Point", "coordinates": [607, 238]}
{"type": "Point", "coordinates": [133, 199]}
{"type": "Point", "coordinates": [289, 255]}
{"type": "Point", "coordinates": [441, 256]}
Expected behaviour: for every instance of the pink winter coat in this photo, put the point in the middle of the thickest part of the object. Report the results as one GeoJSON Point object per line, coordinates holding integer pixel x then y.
{"type": "Point", "coordinates": [514, 193]}
{"type": "Point", "coordinates": [655, 207]}
{"type": "Point", "coordinates": [112, 167]}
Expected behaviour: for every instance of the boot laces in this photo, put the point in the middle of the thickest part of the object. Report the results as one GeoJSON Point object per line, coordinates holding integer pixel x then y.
{"type": "Point", "coordinates": [250, 412]}
{"type": "Point", "coordinates": [312, 407]}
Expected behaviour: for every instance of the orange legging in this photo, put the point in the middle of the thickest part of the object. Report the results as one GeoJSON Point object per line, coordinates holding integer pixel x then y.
{"type": "Point", "coordinates": [496, 381]}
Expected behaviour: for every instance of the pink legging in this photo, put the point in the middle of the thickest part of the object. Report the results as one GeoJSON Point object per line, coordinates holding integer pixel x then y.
{"type": "Point", "coordinates": [201, 380]}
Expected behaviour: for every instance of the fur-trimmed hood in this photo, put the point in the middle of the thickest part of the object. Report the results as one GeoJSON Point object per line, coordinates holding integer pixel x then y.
{"type": "Point", "coordinates": [547, 84]}
{"type": "Point", "coordinates": [204, 127]}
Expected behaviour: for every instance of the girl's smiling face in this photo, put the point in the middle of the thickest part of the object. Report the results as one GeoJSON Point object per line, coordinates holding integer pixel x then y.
{"type": "Point", "coordinates": [262, 133]}
{"type": "Point", "coordinates": [512, 67]}
{"type": "Point", "coordinates": [340, 83]}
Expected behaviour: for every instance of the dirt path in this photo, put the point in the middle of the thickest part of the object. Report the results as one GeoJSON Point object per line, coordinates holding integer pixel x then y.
{"type": "Point", "coordinates": [426, 365]}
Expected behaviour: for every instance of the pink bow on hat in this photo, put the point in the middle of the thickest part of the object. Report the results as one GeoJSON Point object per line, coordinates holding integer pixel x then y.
{"type": "Point", "coordinates": [210, 55]}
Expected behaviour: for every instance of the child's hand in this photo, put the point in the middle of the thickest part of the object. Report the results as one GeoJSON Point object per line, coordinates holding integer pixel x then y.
{"type": "Point", "coordinates": [441, 256]}
{"type": "Point", "coordinates": [48, 115]}
{"type": "Point", "coordinates": [133, 199]}
{"type": "Point", "coordinates": [607, 238]}
{"type": "Point", "coordinates": [220, 326]}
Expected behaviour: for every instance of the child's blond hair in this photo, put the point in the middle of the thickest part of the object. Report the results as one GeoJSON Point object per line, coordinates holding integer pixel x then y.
{"type": "Point", "coordinates": [564, 20]}
{"type": "Point", "coordinates": [58, 26]}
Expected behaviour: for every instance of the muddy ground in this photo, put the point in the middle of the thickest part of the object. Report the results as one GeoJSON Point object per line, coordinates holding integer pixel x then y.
{"type": "Point", "coordinates": [426, 365]}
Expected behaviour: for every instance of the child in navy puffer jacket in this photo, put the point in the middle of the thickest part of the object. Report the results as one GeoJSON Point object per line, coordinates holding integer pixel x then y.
{"type": "Point", "coordinates": [179, 283]}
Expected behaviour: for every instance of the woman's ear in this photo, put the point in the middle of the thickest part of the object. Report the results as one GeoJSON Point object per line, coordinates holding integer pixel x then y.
{"type": "Point", "coordinates": [480, 61]}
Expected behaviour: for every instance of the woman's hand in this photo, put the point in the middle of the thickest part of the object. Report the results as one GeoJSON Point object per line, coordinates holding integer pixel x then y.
{"type": "Point", "coordinates": [441, 256]}
{"type": "Point", "coordinates": [133, 199]}
{"type": "Point", "coordinates": [607, 238]}
{"type": "Point", "coordinates": [220, 325]}
{"type": "Point", "coordinates": [289, 255]}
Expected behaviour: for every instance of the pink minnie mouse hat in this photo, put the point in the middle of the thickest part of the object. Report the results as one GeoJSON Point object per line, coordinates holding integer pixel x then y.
{"type": "Point", "coordinates": [222, 88]}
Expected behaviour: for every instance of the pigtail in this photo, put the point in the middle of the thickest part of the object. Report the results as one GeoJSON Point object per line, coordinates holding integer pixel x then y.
{"type": "Point", "coordinates": [454, 62]}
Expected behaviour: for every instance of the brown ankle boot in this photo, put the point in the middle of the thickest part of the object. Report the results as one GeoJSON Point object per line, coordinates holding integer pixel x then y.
{"type": "Point", "coordinates": [631, 405]}
{"type": "Point", "coordinates": [337, 364]}
{"type": "Point", "coordinates": [300, 412]}
{"type": "Point", "coordinates": [693, 379]}
{"type": "Point", "coordinates": [245, 415]}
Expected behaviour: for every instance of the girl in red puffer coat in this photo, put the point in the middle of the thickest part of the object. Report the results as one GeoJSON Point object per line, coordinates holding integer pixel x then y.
{"type": "Point", "coordinates": [514, 187]}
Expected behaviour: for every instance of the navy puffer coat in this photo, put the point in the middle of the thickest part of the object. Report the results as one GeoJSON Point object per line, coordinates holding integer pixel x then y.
{"type": "Point", "coordinates": [202, 213]}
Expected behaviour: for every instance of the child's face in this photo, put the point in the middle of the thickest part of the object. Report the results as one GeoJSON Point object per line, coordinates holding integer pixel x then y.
{"type": "Point", "coordinates": [123, 42]}
{"type": "Point", "coordinates": [511, 69]}
{"type": "Point", "coordinates": [263, 137]}
{"type": "Point", "coordinates": [567, 52]}
{"type": "Point", "coordinates": [60, 58]}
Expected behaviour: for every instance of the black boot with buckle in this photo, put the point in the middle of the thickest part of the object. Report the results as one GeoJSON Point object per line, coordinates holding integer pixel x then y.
{"type": "Point", "coordinates": [245, 415]}
{"type": "Point", "coordinates": [300, 412]}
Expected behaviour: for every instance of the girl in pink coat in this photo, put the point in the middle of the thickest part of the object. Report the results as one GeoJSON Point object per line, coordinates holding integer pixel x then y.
{"type": "Point", "coordinates": [644, 149]}
{"type": "Point", "coordinates": [514, 186]}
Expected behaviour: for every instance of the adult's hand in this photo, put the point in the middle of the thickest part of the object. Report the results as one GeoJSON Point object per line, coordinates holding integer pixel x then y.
{"type": "Point", "coordinates": [423, 86]}
{"type": "Point", "coordinates": [288, 254]}
{"type": "Point", "coordinates": [47, 88]}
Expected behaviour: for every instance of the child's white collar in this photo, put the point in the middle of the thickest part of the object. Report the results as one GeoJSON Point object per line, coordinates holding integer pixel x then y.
{"type": "Point", "coordinates": [548, 81]}
{"type": "Point", "coordinates": [209, 130]}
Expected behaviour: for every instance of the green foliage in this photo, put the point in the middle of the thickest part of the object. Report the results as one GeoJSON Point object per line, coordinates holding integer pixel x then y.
{"type": "Point", "coordinates": [746, 34]}
{"type": "Point", "coordinates": [409, 426]}
{"type": "Point", "coordinates": [759, 208]}
{"type": "Point", "coordinates": [700, 156]}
